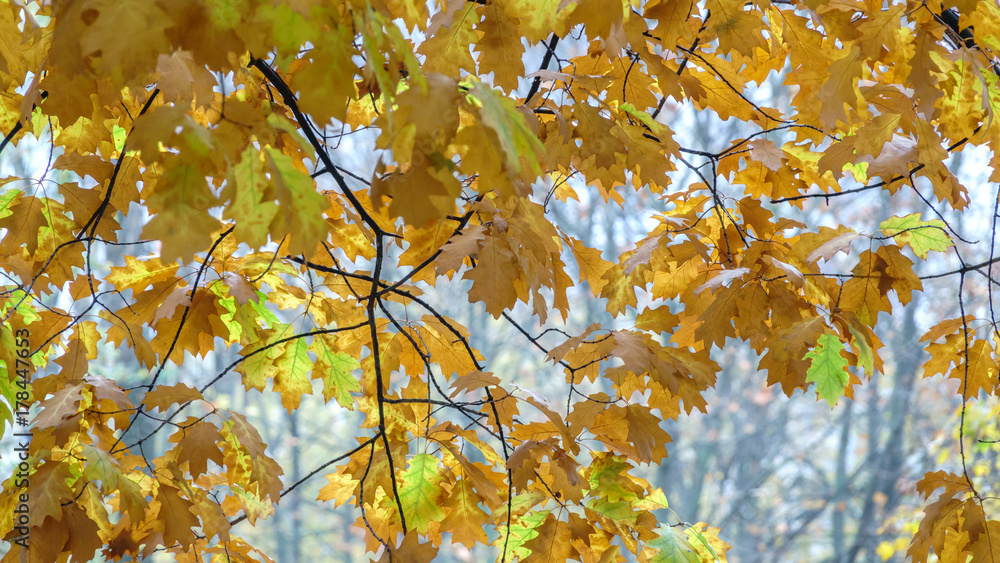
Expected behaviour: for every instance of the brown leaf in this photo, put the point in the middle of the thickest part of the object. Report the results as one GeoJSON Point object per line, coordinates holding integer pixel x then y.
{"type": "Point", "coordinates": [198, 446]}
{"type": "Point", "coordinates": [162, 397]}
{"type": "Point", "coordinates": [175, 516]}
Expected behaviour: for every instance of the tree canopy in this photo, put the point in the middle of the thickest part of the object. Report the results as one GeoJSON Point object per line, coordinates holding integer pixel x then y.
{"type": "Point", "coordinates": [219, 128]}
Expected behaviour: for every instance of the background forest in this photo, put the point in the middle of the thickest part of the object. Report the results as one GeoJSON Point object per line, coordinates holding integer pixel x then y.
{"type": "Point", "coordinates": [639, 281]}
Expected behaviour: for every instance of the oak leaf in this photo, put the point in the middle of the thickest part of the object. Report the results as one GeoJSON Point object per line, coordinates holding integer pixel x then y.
{"type": "Point", "coordinates": [175, 516]}
{"type": "Point", "coordinates": [465, 520]}
{"type": "Point", "coordinates": [23, 223]}
{"type": "Point", "coordinates": [292, 377]}
{"type": "Point", "coordinates": [552, 542]}
{"type": "Point", "coordinates": [673, 547]}
{"type": "Point", "coordinates": [198, 446]}
{"type": "Point", "coordinates": [828, 368]}
{"type": "Point", "coordinates": [410, 550]}
{"type": "Point", "coordinates": [921, 236]}
{"type": "Point", "coordinates": [85, 538]}
{"type": "Point", "coordinates": [334, 368]}
{"type": "Point", "coordinates": [500, 48]}
{"type": "Point", "coordinates": [420, 492]}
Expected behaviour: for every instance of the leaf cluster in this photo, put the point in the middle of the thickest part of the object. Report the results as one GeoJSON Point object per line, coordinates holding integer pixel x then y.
{"type": "Point", "coordinates": [226, 124]}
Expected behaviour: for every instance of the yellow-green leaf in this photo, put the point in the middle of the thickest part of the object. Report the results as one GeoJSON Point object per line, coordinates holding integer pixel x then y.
{"type": "Point", "coordinates": [828, 368]}
{"type": "Point", "coordinates": [921, 236]}
{"type": "Point", "coordinates": [421, 493]}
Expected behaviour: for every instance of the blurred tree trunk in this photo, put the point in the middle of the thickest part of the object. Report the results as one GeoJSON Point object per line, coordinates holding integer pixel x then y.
{"type": "Point", "coordinates": [842, 495]}
{"type": "Point", "coordinates": [294, 498]}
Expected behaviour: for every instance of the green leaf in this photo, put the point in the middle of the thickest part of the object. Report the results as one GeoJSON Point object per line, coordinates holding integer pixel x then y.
{"type": "Point", "coordinates": [7, 200]}
{"type": "Point", "coordinates": [334, 368]}
{"type": "Point", "coordinates": [24, 307]}
{"type": "Point", "coordinates": [292, 378]}
{"type": "Point", "coordinates": [286, 27]}
{"type": "Point", "coordinates": [301, 208]}
{"type": "Point", "coordinates": [619, 512]}
{"type": "Point", "coordinates": [609, 480]}
{"type": "Point", "coordinates": [673, 547]}
{"type": "Point", "coordinates": [246, 188]}
{"type": "Point", "coordinates": [421, 492]}
{"type": "Point", "coordinates": [228, 318]}
{"type": "Point", "coordinates": [828, 368]}
{"type": "Point", "coordinates": [922, 236]}
{"type": "Point", "coordinates": [859, 170]}
{"type": "Point", "coordinates": [522, 530]}
{"type": "Point", "coordinates": [262, 311]}
{"type": "Point", "coordinates": [258, 367]}
{"type": "Point", "coordinates": [119, 134]}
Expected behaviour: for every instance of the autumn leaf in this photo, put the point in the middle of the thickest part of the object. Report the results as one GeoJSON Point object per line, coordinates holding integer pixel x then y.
{"type": "Point", "coordinates": [176, 516]}
{"type": "Point", "coordinates": [519, 144]}
{"type": "Point", "coordinates": [182, 223]}
{"type": "Point", "coordinates": [644, 432]}
{"type": "Point", "coordinates": [828, 368]}
{"type": "Point", "coordinates": [292, 378]}
{"type": "Point", "coordinates": [832, 243]}
{"type": "Point", "coordinates": [936, 480]}
{"type": "Point", "coordinates": [521, 531]}
{"type": "Point", "coordinates": [86, 538]}
{"type": "Point", "coordinates": [325, 94]}
{"type": "Point", "coordinates": [138, 274]}
{"type": "Point", "coordinates": [500, 48]}
{"type": "Point", "coordinates": [198, 446]}
{"type": "Point", "coordinates": [334, 368]}
{"type": "Point", "coordinates": [182, 78]}
{"type": "Point", "coordinates": [23, 218]}
{"type": "Point", "coordinates": [247, 190]}
{"type": "Point", "coordinates": [62, 405]}
{"type": "Point", "coordinates": [737, 30]}
{"type": "Point", "coordinates": [421, 492]}
{"type": "Point", "coordinates": [706, 542]}
{"type": "Point", "coordinates": [842, 87]}
{"type": "Point", "coordinates": [493, 277]}
{"type": "Point", "coordinates": [552, 542]}
{"type": "Point", "coordinates": [300, 206]}
{"type": "Point", "coordinates": [411, 550]}
{"type": "Point", "coordinates": [49, 487]}
{"type": "Point", "coordinates": [465, 520]}
{"type": "Point", "coordinates": [984, 549]}
{"type": "Point", "coordinates": [164, 396]}
{"type": "Point", "coordinates": [921, 236]}
{"type": "Point", "coordinates": [673, 547]}
{"type": "Point", "coordinates": [449, 31]}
